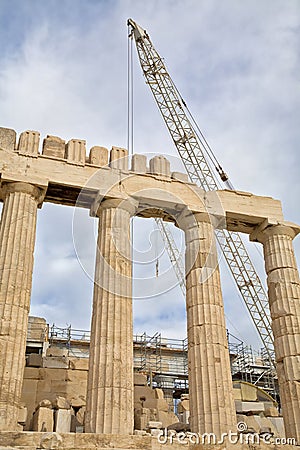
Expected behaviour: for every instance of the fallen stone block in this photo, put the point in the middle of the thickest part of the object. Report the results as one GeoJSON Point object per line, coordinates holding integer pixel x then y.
{"type": "Point", "coordinates": [249, 407]}
{"type": "Point", "coordinates": [42, 420]}
{"type": "Point", "coordinates": [155, 432]}
{"type": "Point", "coordinates": [237, 395]}
{"type": "Point", "coordinates": [278, 426]}
{"type": "Point", "coordinates": [22, 415]}
{"type": "Point", "coordinates": [271, 411]}
{"type": "Point", "coordinates": [167, 418]}
{"type": "Point", "coordinates": [140, 432]}
{"type": "Point", "coordinates": [63, 420]}
{"type": "Point", "coordinates": [152, 425]}
{"type": "Point", "coordinates": [61, 403]}
{"type": "Point", "coordinates": [159, 393]}
{"type": "Point", "coordinates": [184, 405]}
{"type": "Point", "coordinates": [140, 379]}
{"type": "Point", "coordinates": [45, 404]}
{"type": "Point", "coordinates": [248, 392]}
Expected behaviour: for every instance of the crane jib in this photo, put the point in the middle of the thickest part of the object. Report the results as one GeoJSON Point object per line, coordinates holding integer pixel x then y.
{"type": "Point", "coordinates": [201, 165]}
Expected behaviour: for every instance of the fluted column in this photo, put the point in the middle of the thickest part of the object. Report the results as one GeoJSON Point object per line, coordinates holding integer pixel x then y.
{"type": "Point", "coordinates": [284, 299]}
{"type": "Point", "coordinates": [110, 380]}
{"type": "Point", "coordinates": [210, 385]}
{"type": "Point", "coordinates": [17, 239]}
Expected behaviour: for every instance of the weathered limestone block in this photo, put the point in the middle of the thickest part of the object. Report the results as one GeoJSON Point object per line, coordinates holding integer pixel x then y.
{"type": "Point", "coordinates": [184, 405]}
{"type": "Point", "coordinates": [98, 156]}
{"type": "Point", "coordinates": [78, 363]}
{"type": "Point", "coordinates": [78, 401]}
{"type": "Point", "coordinates": [159, 165]}
{"type": "Point", "coordinates": [139, 379]}
{"type": "Point", "coordinates": [51, 441]}
{"type": "Point", "coordinates": [37, 329]}
{"type": "Point", "coordinates": [266, 426]}
{"type": "Point", "coordinates": [139, 163]}
{"type": "Point", "coordinates": [140, 432]}
{"type": "Point", "coordinates": [22, 416]}
{"type": "Point", "coordinates": [143, 394]}
{"type": "Point", "coordinates": [57, 351]}
{"type": "Point", "coordinates": [141, 418]}
{"type": "Point", "coordinates": [55, 362]}
{"type": "Point", "coordinates": [63, 420]}
{"type": "Point", "coordinates": [237, 395]}
{"type": "Point", "coordinates": [61, 403]}
{"type": "Point", "coordinates": [252, 424]}
{"type": "Point", "coordinates": [271, 411]}
{"type": "Point", "coordinates": [75, 152]}
{"type": "Point", "coordinates": [248, 392]}
{"type": "Point", "coordinates": [54, 146]}
{"type": "Point", "coordinates": [167, 418]}
{"type": "Point", "coordinates": [186, 417]}
{"type": "Point", "coordinates": [155, 432]}
{"type": "Point", "coordinates": [34, 360]}
{"type": "Point", "coordinates": [118, 158]}
{"type": "Point", "coordinates": [17, 237]}
{"type": "Point", "coordinates": [7, 139]}
{"type": "Point", "coordinates": [180, 176]}
{"type": "Point", "coordinates": [279, 426]}
{"type": "Point", "coordinates": [249, 407]}
{"type": "Point", "coordinates": [154, 425]}
{"type": "Point", "coordinates": [80, 415]}
{"type": "Point", "coordinates": [29, 143]}
{"type": "Point", "coordinates": [42, 420]}
{"type": "Point", "coordinates": [45, 403]}
{"type": "Point", "coordinates": [157, 403]}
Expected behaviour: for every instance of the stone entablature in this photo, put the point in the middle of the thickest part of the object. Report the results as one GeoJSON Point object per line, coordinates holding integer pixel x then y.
{"type": "Point", "coordinates": [105, 185]}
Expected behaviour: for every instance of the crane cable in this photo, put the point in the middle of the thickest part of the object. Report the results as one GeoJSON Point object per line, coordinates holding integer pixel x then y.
{"type": "Point", "coordinates": [130, 129]}
{"type": "Point", "coordinates": [202, 140]}
{"type": "Point", "coordinates": [130, 109]}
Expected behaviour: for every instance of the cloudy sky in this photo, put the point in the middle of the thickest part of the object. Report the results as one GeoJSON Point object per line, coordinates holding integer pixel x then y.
{"type": "Point", "coordinates": [63, 72]}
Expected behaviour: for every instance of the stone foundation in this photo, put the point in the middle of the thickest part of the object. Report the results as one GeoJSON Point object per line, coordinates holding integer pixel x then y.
{"type": "Point", "coordinates": [90, 441]}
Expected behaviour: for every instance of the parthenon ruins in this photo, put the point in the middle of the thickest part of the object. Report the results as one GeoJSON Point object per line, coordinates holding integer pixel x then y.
{"type": "Point", "coordinates": [103, 184]}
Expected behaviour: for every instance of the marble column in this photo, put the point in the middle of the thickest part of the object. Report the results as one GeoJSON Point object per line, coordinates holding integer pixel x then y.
{"type": "Point", "coordinates": [210, 385]}
{"type": "Point", "coordinates": [284, 299]}
{"type": "Point", "coordinates": [17, 239]}
{"type": "Point", "coordinates": [110, 380]}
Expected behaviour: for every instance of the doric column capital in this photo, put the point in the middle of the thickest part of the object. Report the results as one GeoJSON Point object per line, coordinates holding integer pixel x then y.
{"type": "Point", "coordinates": [187, 220]}
{"type": "Point", "coordinates": [265, 231]}
{"type": "Point", "coordinates": [128, 204]}
{"type": "Point", "coordinates": [26, 188]}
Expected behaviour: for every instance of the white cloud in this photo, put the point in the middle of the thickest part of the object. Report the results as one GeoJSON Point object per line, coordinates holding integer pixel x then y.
{"type": "Point", "coordinates": [63, 72]}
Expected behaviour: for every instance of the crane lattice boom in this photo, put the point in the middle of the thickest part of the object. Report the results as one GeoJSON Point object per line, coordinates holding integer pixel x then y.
{"type": "Point", "coordinates": [192, 149]}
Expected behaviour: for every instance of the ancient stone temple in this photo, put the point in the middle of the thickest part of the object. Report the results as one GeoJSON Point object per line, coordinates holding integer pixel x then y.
{"type": "Point", "coordinates": [110, 190]}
